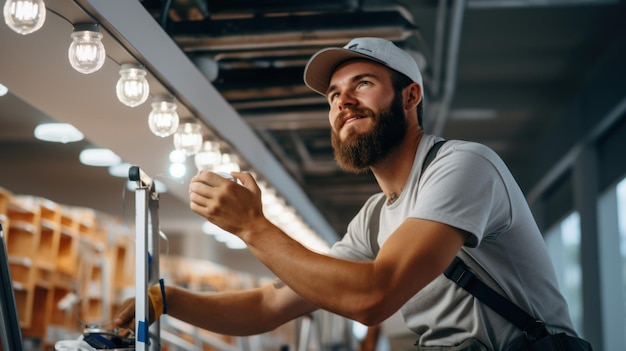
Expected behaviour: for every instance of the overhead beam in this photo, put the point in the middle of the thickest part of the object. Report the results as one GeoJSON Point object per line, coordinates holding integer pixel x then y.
{"type": "Point", "coordinates": [132, 25]}
{"type": "Point", "coordinates": [305, 30]}
{"type": "Point", "coordinates": [489, 4]}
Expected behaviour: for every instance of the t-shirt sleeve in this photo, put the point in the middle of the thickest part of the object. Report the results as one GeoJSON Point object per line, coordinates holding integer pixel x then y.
{"type": "Point", "coordinates": [463, 188]}
{"type": "Point", "coordinates": [355, 244]}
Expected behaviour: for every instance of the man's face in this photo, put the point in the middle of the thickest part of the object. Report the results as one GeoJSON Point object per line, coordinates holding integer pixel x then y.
{"type": "Point", "coordinates": [367, 116]}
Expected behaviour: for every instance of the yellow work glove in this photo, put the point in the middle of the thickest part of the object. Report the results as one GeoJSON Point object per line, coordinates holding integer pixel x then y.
{"type": "Point", "coordinates": [156, 294]}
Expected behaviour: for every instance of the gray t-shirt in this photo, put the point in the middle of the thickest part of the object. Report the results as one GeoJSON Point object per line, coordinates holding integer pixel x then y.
{"type": "Point", "coordinates": [469, 187]}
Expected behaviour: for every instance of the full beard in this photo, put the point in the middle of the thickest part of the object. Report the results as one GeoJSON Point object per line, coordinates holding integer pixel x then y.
{"type": "Point", "coordinates": [358, 152]}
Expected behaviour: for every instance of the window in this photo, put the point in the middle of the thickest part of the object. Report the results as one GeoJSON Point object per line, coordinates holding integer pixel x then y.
{"type": "Point", "coordinates": [621, 218]}
{"type": "Point", "coordinates": [563, 242]}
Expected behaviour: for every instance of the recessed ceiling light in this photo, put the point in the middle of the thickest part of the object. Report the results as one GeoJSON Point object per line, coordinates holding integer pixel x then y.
{"type": "Point", "coordinates": [177, 156]}
{"type": "Point", "coordinates": [3, 90]}
{"type": "Point", "coordinates": [177, 170]}
{"type": "Point", "coordinates": [99, 157]}
{"type": "Point", "coordinates": [159, 186]}
{"type": "Point", "coordinates": [58, 132]}
{"type": "Point", "coordinates": [120, 170]}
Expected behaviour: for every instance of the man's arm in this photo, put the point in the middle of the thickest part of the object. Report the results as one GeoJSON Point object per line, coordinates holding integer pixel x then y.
{"type": "Point", "coordinates": [240, 313]}
{"type": "Point", "coordinates": [369, 292]}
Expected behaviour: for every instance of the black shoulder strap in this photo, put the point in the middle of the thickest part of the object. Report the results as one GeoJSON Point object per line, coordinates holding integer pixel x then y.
{"type": "Point", "coordinates": [430, 156]}
{"type": "Point", "coordinates": [374, 224]}
{"type": "Point", "coordinates": [459, 273]}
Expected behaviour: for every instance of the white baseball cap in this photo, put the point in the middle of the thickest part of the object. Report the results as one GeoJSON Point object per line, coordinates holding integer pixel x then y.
{"type": "Point", "coordinates": [322, 64]}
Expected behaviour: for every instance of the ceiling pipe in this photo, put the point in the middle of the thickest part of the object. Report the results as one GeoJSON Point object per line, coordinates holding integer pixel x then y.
{"type": "Point", "coordinates": [309, 165]}
{"type": "Point", "coordinates": [491, 4]}
{"type": "Point", "coordinates": [288, 120]}
{"type": "Point", "coordinates": [449, 85]}
{"type": "Point", "coordinates": [165, 14]}
{"type": "Point", "coordinates": [440, 34]}
{"type": "Point", "coordinates": [220, 35]}
{"type": "Point", "coordinates": [280, 153]}
{"type": "Point", "coordinates": [313, 38]}
{"type": "Point", "coordinates": [198, 95]}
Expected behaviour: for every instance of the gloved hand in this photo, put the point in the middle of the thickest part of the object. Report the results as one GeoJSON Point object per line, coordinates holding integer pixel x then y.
{"type": "Point", "coordinates": [126, 316]}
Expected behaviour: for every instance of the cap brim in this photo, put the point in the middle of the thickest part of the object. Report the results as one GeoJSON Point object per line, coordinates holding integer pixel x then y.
{"type": "Point", "coordinates": [321, 66]}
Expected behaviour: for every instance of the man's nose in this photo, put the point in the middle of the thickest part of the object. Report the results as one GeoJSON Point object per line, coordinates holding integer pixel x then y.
{"type": "Point", "coordinates": [346, 99]}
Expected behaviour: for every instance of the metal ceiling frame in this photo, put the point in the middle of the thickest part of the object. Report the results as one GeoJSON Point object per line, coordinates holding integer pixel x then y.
{"type": "Point", "coordinates": [487, 4]}
{"type": "Point", "coordinates": [129, 27]}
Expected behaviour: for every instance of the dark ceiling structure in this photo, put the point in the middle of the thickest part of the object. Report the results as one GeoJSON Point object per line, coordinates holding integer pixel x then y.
{"type": "Point", "coordinates": [504, 73]}
{"type": "Point", "coordinates": [496, 72]}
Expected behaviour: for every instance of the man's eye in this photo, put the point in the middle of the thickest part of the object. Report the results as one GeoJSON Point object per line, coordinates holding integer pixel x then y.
{"type": "Point", "coordinates": [364, 82]}
{"type": "Point", "coordinates": [332, 96]}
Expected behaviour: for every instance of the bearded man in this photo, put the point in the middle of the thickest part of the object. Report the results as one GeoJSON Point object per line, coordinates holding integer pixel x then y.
{"type": "Point", "coordinates": [396, 249]}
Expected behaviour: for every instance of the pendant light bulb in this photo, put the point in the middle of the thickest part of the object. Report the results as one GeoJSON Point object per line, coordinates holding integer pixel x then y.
{"type": "Point", "coordinates": [132, 88]}
{"type": "Point", "coordinates": [188, 138]}
{"type": "Point", "coordinates": [86, 53]}
{"type": "Point", "coordinates": [209, 157]}
{"type": "Point", "coordinates": [24, 16]}
{"type": "Point", "coordinates": [229, 163]}
{"type": "Point", "coordinates": [163, 119]}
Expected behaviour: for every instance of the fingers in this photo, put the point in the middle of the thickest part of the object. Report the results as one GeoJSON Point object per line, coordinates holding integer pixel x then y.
{"type": "Point", "coordinates": [209, 185]}
{"type": "Point", "coordinates": [231, 205]}
{"type": "Point", "coordinates": [211, 178]}
{"type": "Point", "coordinates": [203, 186]}
{"type": "Point", "coordinates": [248, 181]}
{"type": "Point", "coordinates": [125, 331]}
{"type": "Point", "coordinates": [125, 319]}
{"type": "Point", "coordinates": [126, 315]}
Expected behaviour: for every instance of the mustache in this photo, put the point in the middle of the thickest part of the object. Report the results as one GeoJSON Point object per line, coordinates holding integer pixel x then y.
{"type": "Point", "coordinates": [363, 112]}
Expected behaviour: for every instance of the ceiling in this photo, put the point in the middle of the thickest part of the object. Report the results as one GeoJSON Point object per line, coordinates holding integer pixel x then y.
{"type": "Point", "coordinates": [496, 72]}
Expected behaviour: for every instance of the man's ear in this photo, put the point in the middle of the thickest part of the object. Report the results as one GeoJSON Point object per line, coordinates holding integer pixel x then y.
{"type": "Point", "coordinates": [412, 95]}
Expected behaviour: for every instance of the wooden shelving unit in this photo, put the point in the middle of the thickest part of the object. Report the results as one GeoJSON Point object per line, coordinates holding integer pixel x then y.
{"type": "Point", "coordinates": [73, 267]}
{"type": "Point", "coordinates": [44, 266]}
{"type": "Point", "coordinates": [22, 243]}
{"type": "Point", "coordinates": [122, 270]}
{"type": "Point", "coordinates": [68, 268]}
{"type": "Point", "coordinates": [5, 198]}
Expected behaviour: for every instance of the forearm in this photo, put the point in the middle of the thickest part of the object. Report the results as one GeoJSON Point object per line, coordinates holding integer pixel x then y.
{"type": "Point", "coordinates": [368, 292]}
{"type": "Point", "coordinates": [354, 287]}
{"type": "Point", "coordinates": [230, 313]}
{"type": "Point", "coordinates": [237, 208]}
{"type": "Point", "coordinates": [239, 313]}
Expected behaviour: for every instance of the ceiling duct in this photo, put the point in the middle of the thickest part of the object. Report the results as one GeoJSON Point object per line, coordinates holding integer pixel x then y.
{"type": "Point", "coordinates": [213, 36]}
